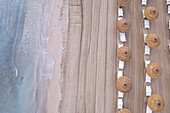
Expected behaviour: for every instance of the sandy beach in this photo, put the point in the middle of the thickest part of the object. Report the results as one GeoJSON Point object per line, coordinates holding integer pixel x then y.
{"type": "Point", "coordinates": [60, 56]}
{"type": "Point", "coordinates": [83, 43]}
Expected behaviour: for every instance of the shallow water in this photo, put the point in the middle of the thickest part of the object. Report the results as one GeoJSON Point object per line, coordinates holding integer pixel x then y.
{"type": "Point", "coordinates": [26, 67]}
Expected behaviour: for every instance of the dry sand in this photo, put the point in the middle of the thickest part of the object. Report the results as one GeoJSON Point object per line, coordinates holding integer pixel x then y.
{"type": "Point", "coordinates": [83, 43]}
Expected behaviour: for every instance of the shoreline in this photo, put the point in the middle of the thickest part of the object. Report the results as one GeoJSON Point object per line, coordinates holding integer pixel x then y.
{"type": "Point", "coordinates": [56, 49]}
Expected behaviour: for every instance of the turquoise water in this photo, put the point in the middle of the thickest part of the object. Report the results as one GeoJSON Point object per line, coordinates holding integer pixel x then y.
{"type": "Point", "coordinates": [25, 66]}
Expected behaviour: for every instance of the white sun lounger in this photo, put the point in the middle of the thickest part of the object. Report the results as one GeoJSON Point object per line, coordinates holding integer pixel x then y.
{"type": "Point", "coordinates": [148, 78]}
{"type": "Point", "coordinates": [168, 9]}
{"type": "Point", "coordinates": [122, 37]}
{"type": "Point", "coordinates": [119, 18]}
{"type": "Point", "coordinates": [120, 45]}
{"type": "Point", "coordinates": [120, 104]}
{"type": "Point", "coordinates": [120, 94]}
{"type": "Point", "coordinates": [143, 12]}
{"type": "Point", "coordinates": [121, 64]}
{"type": "Point", "coordinates": [169, 47]}
{"type": "Point", "coordinates": [144, 2]}
{"type": "Point", "coordinates": [146, 24]}
{"type": "Point", "coordinates": [120, 12]}
{"type": "Point", "coordinates": [119, 74]}
{"type": "Point", "coordinates": [145, 37]}
{"type": "Point", "coordinates": [147, 62]}
{"type": "Point", "coordinates": [148, 110]}
{"type": "Point", "coordinates": [167, 2]}
{"type": "Point", "coordinates": [148, 91]}
{"type": "Point", "coordinates": [147, 50]}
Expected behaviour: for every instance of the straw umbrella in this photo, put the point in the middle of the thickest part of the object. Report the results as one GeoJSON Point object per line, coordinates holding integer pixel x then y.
{"type": "Point", "coordinates": [123, 3]}
{"type": "Point", "coordinates": [156, 102]}
{"type": "Point", "coordinates": [124, 84]}
{"type": "Point", "coordinates": [151, 13]}
{"type": "Point", "coordinates": [124, 53]}
{"type": "Point", "coordinates": [153, 40]}
{"type": "Point", "coordinates": [124, 111]}
{"type": "Point", "coordinates": [123, 25]}
{"type": "Point", "coordinates": [154, 70]}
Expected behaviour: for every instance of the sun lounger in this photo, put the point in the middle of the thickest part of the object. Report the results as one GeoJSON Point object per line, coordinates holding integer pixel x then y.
{"type": "Point", "coordinates": [147, 78]}
{"type": "Point", "coordinates": [122, 37]}
{"type": "Point", "coordinates": [147, 50]}
{"type": "Point", "coordinates": [167, 2]}
{"type": "Point", "coordinates": [119, 18]}
{"type": "Point", "coordinates": [119, 74]}
{"type": "Point", "coordinates": [148, 110]}
{"type": "Point", "coordinates": [120, 12]}
{"type": "Point", "coordinates": [121, 64]}
{"type": "Point", "coordinates": [147, 62]}
{"type": "Point", "coordinates": [148, 91]}
{"type": "Point", "coordinates": [143, 12]}
{"type": "Point", "coordinates": [120, 94]}
{"type": "Point", "coordinates": [168, 9]}
{"type": "Point", "coordinates": [144, 2]}
{"type": "Point", "coordinates": [145, 37]}
{"type": "Point", "coordinates": [120, 104]}
{"type": "Point", "coordinates": [120, 45]}
{"type": "Point", "coordinates": [146, 24]}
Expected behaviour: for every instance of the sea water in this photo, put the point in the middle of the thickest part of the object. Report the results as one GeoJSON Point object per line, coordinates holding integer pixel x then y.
{"type": "Point", "coordinates": [25, 65]}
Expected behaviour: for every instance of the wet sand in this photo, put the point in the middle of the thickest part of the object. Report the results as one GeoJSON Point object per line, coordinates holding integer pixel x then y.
{"type": "Point", "coordinates": [56, 50]}
{"type": "Point", "coordinates": [25, 65]}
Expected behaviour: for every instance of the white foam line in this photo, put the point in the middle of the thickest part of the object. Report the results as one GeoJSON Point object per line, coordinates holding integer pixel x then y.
{"type": "Point", "coordinates": [16, 71]}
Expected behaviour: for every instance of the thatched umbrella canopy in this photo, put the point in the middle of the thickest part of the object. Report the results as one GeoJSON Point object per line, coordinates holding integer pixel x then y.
{"type": "Point", "coordinates": [123, 25]}
{"type": "Point", "coordinates": [156, 102]}
{"type": "Point", "coordinates": [154, 70]}
{"type": "Point", "coordinates": [151, 13]}
{"type": "Point", "coordinates": [124, 53]}
{"type": "Point", "coordinates": [124, 111]}
{"type": "Point", "coordinates": [123, 3]}
{"type": "Point", "coordinates": [152, 40]}
{"type": "Point", "coordinates": [124, 84]}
